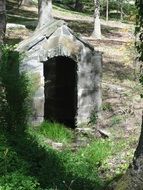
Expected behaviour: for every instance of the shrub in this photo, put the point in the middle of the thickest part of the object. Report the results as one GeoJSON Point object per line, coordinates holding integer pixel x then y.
{"type": "Point", "coordinates": [13, 91]}
{"type": "Point", "coordinates": [18, 181]}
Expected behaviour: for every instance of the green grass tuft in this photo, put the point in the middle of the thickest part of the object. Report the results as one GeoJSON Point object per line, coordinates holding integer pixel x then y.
{"type": "Point", "coordinates": [96, 152]}
{"type": "Point", "coordinates": [56, 132]}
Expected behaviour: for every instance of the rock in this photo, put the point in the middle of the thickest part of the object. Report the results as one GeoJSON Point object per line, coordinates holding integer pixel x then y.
{"type": "Point", "coordinates": [12, 25]}
{"type": "Point", "coordinates": [84, 131]}
{"type": "Point", "coordinates": [57, 146]}
{"type": "Point", "coordinates": [104, 133]}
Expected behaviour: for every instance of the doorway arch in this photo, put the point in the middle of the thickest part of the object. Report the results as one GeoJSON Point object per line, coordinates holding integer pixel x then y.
{"type": "Point", "coordinates": [60, 90]}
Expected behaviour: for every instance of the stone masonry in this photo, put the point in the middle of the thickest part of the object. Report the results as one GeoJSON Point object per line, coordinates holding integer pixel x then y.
{"type": "Point", "coordinates": [67, 71]}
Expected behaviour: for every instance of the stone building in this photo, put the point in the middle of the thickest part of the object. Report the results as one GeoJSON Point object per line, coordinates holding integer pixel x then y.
{"type": "Point", "coordinates": [68, 74]}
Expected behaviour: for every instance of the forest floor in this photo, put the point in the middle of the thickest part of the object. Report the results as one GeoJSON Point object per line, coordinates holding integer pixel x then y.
{"type": "Point", "coordinates": [122, 105]}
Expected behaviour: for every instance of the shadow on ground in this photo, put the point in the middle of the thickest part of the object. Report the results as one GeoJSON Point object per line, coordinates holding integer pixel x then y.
{"type": "Point", "coordinates": [48, 166]}
{"type": "Point", "coordinates": [12, 8]}
{"type": "Point", "coordinates": [20, 16]}
{"type": "Point", "coordinates": [119, 70]}
{"type": "Point", "coordinates": [12, 41]}
{"type": "Point", "coordinates": [86, 28]}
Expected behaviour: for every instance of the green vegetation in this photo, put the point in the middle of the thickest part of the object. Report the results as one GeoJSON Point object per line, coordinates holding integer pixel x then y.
{"type": "Point", "coordinates": [107, 106]}
{"type": "Point", "coordinates": [13, 169]}
{"type": "Point", "coordinates": [115, 120]}
{"type": "Point", "coordinates": [28, 162]}
{"type": "Point", "coordinates": [86, 6]}
{"type": "Point", "coordinates": [27, 159]}
{"type": "Point", "coordinates": [14, 92]}
{"type": "Point", "coordinates": [55, 131]}
{"type": "Point", "coordinates": [28, 165]}
{"type": "Point", "coordinates": [96, 152]}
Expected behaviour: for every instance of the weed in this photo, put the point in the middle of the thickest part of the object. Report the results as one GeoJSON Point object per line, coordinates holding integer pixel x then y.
{"type": "Point", "coordinates": [116, 120]}
{"type": "Point", "coordinates": [107, 106]}
{"type": "Point", "coordinates": [93, 118]}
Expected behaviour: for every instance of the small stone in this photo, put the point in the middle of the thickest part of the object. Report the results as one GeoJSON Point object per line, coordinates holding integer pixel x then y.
{"type": "Point", "coordinates": [104, 134]}
{"type": "Point", "coordinates": [57, 146]}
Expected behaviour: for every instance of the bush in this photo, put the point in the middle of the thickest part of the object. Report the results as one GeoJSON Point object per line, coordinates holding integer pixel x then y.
{"type": "Point", "coordinates": [18, 181]}
{"type": "Point", "coordinates": [13, 91]}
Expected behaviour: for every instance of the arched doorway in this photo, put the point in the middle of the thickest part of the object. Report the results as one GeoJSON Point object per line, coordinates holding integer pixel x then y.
{"type": "Point", "coordinates": [60, 90]}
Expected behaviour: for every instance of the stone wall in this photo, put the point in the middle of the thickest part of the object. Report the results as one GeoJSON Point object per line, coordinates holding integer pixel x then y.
{"type": "Point", "coordinates": [89, 85]}
{"type": "Point", "coordinates": [63, 43]}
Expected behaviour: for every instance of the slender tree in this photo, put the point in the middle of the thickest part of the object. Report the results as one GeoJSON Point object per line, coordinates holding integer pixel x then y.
{"type": "Point", "coordinates": [133, 179]}
{"type": "Point", "coordinates": [107, 10]}
{"type": "Point", "coordinates": [26, 2]}
{"type": "Point", "coordinates": [78, 5]}
{"type": "Point", "coordinates": [121, 10]}
{"type": "Point", "coordinates": [97, 27]}
{"type": "Point", "coordinates": [2, 19]}
{"type": "Point", "coordinates": [2, 22]}
{"type": "Point", "coordinates": [44, 12]}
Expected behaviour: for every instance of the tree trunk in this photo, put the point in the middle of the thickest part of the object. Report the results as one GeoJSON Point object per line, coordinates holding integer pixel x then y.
{"type": "Point", "coordinates": [2, 23]}
{"type": "Point", "coordinates": [121, 12]}
{"type": "Point", "coordinates": [107, 10]}
{"type": "Point", "coordinates": [133, 179]}
{"type": "Point", "coordinates": [27, 2]}
{"type": "Point", "coordinates": [2, 19]}
{"type": "Point", "coordinates": [97, 27]}
{"type": "Point", "coordinates": [44, 12]}
{"type": "Point", "coordinates": [78, 5]}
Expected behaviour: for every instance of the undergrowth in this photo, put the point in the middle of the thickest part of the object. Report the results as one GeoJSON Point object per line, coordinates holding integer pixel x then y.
{"type": "Point", "coordinates": [55, 131]}
{"type": "Point", "coordinates": [14, 92]}
{"type": "Point", "coordinates": [14, 171]}
{"type": "Point", "coordinates": [27, 165]}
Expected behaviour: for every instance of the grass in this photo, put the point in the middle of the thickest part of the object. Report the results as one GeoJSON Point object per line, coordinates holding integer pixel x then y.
{"type": "Point", "coordinates": [30, 164]}
{"type": "Point", "coordinates": [65, 10]}
{"type": "Point", "coordinates": [26, 164]}
{"type": "Point", "coordinates": [56, 132]}
{"type": "Point", "coordinates": [13, 169]}
{"type": "Point", "coordinates": [96, 152]}
{"type": "Point", "coordinates": [116, 120]}
{"type": "Point", "coordinates": [92, 161]}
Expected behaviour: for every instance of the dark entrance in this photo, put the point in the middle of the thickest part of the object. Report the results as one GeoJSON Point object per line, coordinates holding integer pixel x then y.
{"type": "Point", "coordinates": [60, 90]}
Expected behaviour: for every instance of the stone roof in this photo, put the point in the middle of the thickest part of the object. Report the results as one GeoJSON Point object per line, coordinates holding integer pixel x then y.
{"type": "Point", "coordinates": [56, 28]}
